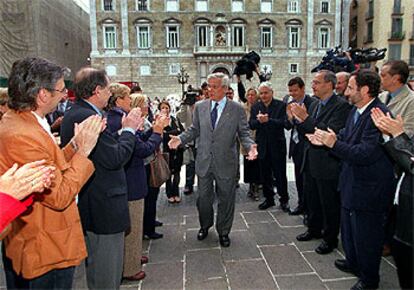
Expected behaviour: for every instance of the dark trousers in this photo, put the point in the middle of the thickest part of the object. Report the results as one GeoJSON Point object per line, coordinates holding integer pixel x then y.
{"type": "Point", "coordinates": [172, 185]}
{"type": "Point", "coordinates": [150, 206]}
{"type": "Point", "coordinates": [297, 161]}
{"type": "Point", "coordinates": [190, 171]}
{"type": "Point", "coordinates": [403, 256]}
{"type": "Point", "coordinates": [362, 234]}
{"type": "Point", "coordinates": [323, 205]}
{"type": "Point", "coordinates": [274, 167]}
{"type": "Point", "coordinates": [54, 279]}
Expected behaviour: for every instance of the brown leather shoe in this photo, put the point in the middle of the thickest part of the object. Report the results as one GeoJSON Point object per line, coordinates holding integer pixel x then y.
{"type": "Point", "coordinates": [144, 260]}
{"type": "Point", "coordinates": [137, 277]}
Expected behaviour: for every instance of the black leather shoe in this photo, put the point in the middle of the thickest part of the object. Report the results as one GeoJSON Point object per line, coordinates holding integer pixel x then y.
{"type": "Point", "coordinates": [307, 236]}
{"type": "Point", "coordinates": [342, 265]}
{"type": "Point", "coordinates": [154, 236]}
{"type": "Point", "coordinates": [297, 211]}
{"type": "Point", "coordinates": [202, 234]}
{"type": "Point", "coordinates": [224, 241]}
{"type": "Point", "coordinates": [266, 204]}
{"type": "Point", "coordinates": [325, 248]}
{"type": "Point", "coordinates": [284, 206]}
{"type": "Point", "coordinates": [362, 286]}
{"type": "Point", "coordinates": [158, 224]}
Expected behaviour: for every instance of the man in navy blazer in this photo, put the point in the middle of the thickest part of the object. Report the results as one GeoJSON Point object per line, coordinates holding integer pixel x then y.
{"type": "Point", "coordinates": [365, 181]}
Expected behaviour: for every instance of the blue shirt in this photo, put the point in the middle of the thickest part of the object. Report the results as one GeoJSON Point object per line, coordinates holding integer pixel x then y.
{"type": "Point", "coordinates": [396, 92]}
{"type": "Point", "coordinates": [220, 108]}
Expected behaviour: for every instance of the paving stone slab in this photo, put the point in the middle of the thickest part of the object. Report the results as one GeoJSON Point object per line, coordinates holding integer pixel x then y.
{"type": "Point", "coordinates": [286, 220]}
{"type": "Point", "coordinates": [324, 265]}
{"type": "Point", "coordinates": [243, 246]}
{"type": "Point", "coordinates": [257, 217]}
{"type": "Point", "coordinates": [300, 282]}
{"type": "Point", "coordinates": [268, 234]}
{"type": "Point", "coordinates": [341, 284]}
{"type": "Point", "coordinates": [285, 260]}
{"type": "Point", "coordinates": [238, 222]}
{"type": "Point", "coordinates": [163, 276]}
{"type": "Point", "coordinates": [291, 234]}
{"type": "Point", "coordinates": [170, 248]}
{"type": "Point", "coordinates": [388, 276]}
{"type": "Point", "coordinates": [191, 242]}
{"type": "Point", "coordinates": [203, 267]}
{"type": "Point", "coordinates": [191, 221]}
{"type": "Point", "coordinates": [247, 274]}
{"type": "Point", "coordinates": [215, 283]}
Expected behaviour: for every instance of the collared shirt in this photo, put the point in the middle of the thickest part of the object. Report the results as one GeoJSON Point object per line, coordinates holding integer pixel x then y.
{"type": "Point", "coordinates": [220, 107]}
{"type": "Point", "coordinates": [396, 92]}
{"type": "Point", "coordinates": [94, 107]}
{"type": "Point", "coordinates": [362, 110]}
{"type": "Point", "coordinates": [45, 125]}
{"type": "Point", "coordinates": [324, 102]}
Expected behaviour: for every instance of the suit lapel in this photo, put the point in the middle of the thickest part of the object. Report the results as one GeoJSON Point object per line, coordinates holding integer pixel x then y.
{"type": "Point", "coordinates": [365, 114]}
{"type": "Point", "coordinates": [224, 114]}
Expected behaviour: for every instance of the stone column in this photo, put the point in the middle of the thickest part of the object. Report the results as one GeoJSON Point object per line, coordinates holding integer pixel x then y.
{"type": "Point", "coordinates": [93, 28]}
{"type": "Point", "coordinates": [345, 11]}
{"type": "Point", "coordinates": [310, 28]}
{"type": "Point", "coordinates": [124, 25]}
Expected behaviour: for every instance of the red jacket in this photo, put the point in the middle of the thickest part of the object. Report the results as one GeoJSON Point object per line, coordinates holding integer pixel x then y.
{"type": "Point", "coordinates": [10, 209]}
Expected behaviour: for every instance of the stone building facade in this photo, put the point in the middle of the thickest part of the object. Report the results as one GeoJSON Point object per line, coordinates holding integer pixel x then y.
{"type": "Point", "coordinates": [57, 30]}
{"type": "Point", "coordinates": [148, 41]}
{"type": "Point", "coordinates": [384, 24]}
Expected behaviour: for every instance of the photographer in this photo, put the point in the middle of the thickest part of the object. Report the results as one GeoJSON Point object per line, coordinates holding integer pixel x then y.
{"type": "Point", "coordinates": [185, 115]}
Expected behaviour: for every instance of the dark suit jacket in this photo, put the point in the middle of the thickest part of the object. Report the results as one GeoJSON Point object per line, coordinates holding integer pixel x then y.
{"type": "Point", "coordinates": [270, 135]}
{"type": "Point", "coordinates": [401, 149]}
{"type": "Point", "coordinates": [322, 164]}
{"type": "Point", "coordinates": [103, 201]}
{"type": "Point", "coordinates": [366, 180]}
{"type": "Point", "coordinates": [296, 149]}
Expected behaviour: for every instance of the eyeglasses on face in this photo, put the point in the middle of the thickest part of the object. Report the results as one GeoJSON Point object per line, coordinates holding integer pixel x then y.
{"type": "Point", "coordinates": [62, 91]}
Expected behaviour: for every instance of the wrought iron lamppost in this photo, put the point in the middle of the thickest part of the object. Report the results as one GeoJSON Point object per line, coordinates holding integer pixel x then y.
{"type": "Point", "coordinates": [182, 78]}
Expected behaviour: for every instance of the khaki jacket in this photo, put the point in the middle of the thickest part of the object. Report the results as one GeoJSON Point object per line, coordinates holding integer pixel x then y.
{"type": "Point", "coordinates": [402, 104]}
{"type": "Point", "coordinates": [49, 235]}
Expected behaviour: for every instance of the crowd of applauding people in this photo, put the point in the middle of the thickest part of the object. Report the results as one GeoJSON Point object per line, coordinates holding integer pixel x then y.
{"type": "Point", "coordinates": [77, 175]}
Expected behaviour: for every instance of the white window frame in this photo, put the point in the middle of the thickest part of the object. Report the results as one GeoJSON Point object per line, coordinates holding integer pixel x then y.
{"type": "Point", "coordinates": [235, 8]}
{"type": "Point", "coordinates": [233, 31]}
{"type": "Point", "coordinates": [111, 70]}
{"type": "Point", "coordinates": [329, 6]}
{"type": "Point", "coordinates": [290, 36]}
{"type": "Point", "coordinates": [145, 70]}
{"type": "Point", "coordinates": [104, 28]}
{"type": "Point", "coordinates": [290, 6]}
{"type": "Point", "coordinates": [262, 38]}
{"type": "Point", "coordinates": [263, 8]}
{"type": "Point", "coordinates": [113, 6]}
{"type": "Point", "coordinates": [320, 37]}
{"type": "Point", "coordinates": [139, 44]}
{"type": "Point", "coordinates": [167, 36]}
{"type": "Point", "coordinates": [207, 35]}
{"type": "Point", "coordinates": [197, 7]}
{"type": "Point", "coordinates": [174, 69]}
{"type": "Point", "coordinates": [172, 10]}
{"type": "Point", "coordinates": [148, 6]}
{"type": "Point", "coordinates": [290, 68]}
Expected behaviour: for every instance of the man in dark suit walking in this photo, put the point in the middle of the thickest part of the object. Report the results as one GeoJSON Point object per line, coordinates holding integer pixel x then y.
{"type": "Point", "coordinates": [365, 181]}
{"type": "Point", "coordinates": [217, 122]}
{"type": "Point", "coordinates": [268, 118]}
{"type": "Point", "coordinates": [321, 169]}
{"type": "Point", "coordinates": [297, 141]}
{"type": "Point", "coordinates": [103, 201]}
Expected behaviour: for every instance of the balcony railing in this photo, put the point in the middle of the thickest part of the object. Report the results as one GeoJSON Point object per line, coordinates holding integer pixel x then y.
{"type": "Point", "coordinates": [396, 35]}
{"type": "Point", "coordinates": [220, 49]}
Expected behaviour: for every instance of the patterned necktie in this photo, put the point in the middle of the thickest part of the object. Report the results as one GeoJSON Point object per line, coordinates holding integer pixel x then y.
{"type": "Point", "coordinates": [318, 109]}
{"type": "Point", "coordinates": [213, 115]}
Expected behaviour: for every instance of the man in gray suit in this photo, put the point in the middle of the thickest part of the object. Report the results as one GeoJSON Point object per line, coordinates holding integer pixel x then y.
{"type": "Point", "coordinates": [217, 122]}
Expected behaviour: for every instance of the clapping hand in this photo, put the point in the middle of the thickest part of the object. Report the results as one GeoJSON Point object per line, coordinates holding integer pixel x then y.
{"type": "Point", "coordinates": [174, 142]}
{"type": "Point", "coordinates": [262, 118]}
{"type": "Point", "coordinates": [87, 133]}
{"type": "Point", "coordinates": [386, 124]}
{"type": "Point", "coordinates": [299, 112]}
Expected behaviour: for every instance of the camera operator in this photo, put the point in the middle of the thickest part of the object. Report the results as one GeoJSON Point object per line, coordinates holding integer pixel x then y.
{"type": "Point", "coordinates": [185, 115]}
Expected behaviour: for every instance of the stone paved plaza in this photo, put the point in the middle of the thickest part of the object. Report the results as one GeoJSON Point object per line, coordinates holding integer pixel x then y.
{"type": "Point", "coordinates": [264, 253]}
